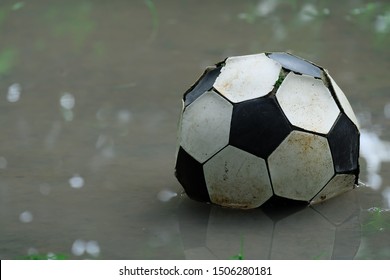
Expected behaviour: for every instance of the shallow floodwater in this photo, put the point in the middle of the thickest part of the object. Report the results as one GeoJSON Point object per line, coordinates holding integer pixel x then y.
{"type": "Point", "coordinates": [90, 95]}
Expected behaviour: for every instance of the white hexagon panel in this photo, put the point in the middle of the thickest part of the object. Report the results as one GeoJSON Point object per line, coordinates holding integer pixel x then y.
{"type": "Point", "coordinates": [178, 135]}
{"type": "Point", "coordinates": [247, 77]}
{"type": "Point", "coordinates": [207, 114]}
{"type": "Point", "coordinates": [343, 100]}
{"type": "Point", "coordinates": [236, 178]}
{"type": "Point", "coordinates": [339, 184]}
{"type": "Point", "coordinates": [301, 166]}
{"type": "Point", "coordinates": [307, 103]}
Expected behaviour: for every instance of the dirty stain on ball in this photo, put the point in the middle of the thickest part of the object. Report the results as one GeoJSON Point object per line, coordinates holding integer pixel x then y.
{"type": "Point", "coordinates": [266, 125]}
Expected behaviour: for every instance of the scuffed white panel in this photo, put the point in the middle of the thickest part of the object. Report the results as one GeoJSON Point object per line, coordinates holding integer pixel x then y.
{"type": "Point", "coordinates": [238, 179]}
{"type": "Point", "coordinates": [178, 135]}
{"type": "Point", "coordinates": [343, 101]}
{"type": "Point", "coordinates": [301, 166]}
{"type": "Point", "coordinates": [205, 126]}
{"type": "Point", "coordinates": [246, 77]}
{"type": "Point", "coordinates": [307, 103]}
{"type": "Point", "coordinates": [339, 184]}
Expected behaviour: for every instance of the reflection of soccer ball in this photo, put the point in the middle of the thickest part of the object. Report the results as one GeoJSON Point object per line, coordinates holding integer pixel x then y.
{"type": "Point", "coordinates": [209, 232]}
{"type": "Point", "coordinates": [262, 125]}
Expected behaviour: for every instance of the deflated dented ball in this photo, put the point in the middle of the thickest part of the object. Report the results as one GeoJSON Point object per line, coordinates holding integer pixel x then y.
{"type": "Point", "coordinates": [270, 124]}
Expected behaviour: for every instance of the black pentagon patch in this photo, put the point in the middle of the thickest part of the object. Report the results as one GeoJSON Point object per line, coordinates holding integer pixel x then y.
{"type": "Point", "coordinates": [205, 83]}
{"type": "Point", "coordinates": [296, 64]}
{"type": "Point", "coordinates": [344, 145]}
{"type": "Point", "coordinates": [258, 126]}
{"type": "Point", "coordinates": [189, 172]}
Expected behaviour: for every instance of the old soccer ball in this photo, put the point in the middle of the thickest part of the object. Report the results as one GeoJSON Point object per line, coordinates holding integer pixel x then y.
{"type": "Point", "coordinates": [263, 125]}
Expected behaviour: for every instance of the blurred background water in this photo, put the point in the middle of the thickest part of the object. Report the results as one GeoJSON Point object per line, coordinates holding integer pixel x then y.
{"type": "Point", "coordinates": [90, 95]}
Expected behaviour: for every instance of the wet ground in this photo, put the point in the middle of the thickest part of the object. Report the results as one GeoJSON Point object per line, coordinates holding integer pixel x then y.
{"type": "Point", "coordinates": [90, 95]}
